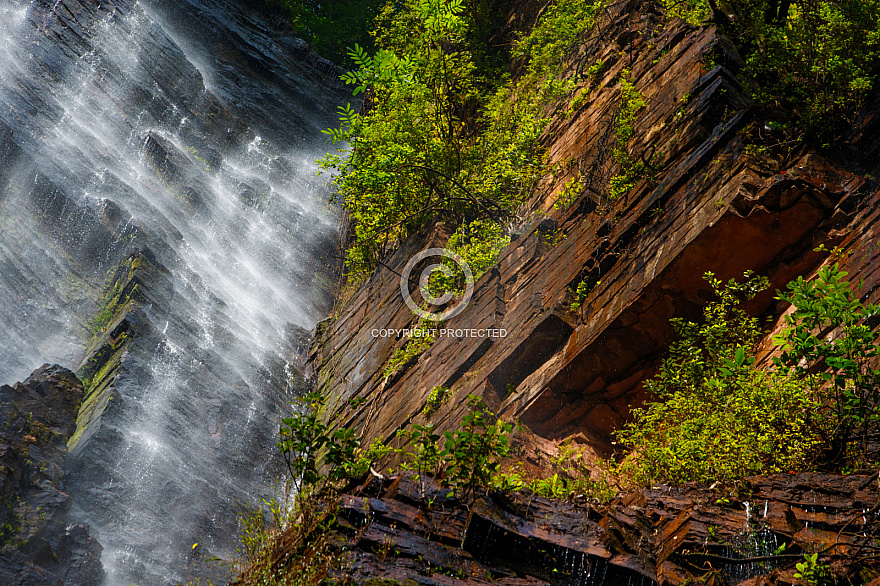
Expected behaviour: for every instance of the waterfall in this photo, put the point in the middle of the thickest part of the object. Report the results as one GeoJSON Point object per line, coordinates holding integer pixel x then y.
{"type": "Point", "coordinates": [173, 139]}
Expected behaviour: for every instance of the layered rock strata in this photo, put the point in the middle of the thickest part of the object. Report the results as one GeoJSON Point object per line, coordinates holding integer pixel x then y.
{"type": "Point", "coordinates": [705, 203]}
{"type": "Point", "coordinates": [400, 530]}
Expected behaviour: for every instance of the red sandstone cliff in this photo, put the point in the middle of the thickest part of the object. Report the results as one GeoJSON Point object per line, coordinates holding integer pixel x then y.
{"type": "Point", "coordinates": [710, 205]}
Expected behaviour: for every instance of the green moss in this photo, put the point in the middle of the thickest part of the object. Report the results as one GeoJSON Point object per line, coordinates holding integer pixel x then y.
{"type": "Point", "coordinates": [436, 399]}
{"type": "Point", "coordinates": [109, 342]}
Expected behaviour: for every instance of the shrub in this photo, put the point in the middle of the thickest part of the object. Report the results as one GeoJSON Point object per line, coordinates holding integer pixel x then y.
{"type": "Point", "coordinates": [445, 133]}
{"type": "Point", "coordinates": [330, 26]}
{"type": "Point", "coordinates": [716, 417]}
{"type": "Point", "coordinates": [472, 454]}
{"type": "Point", "coordinates": [814, 60]}
{"type": "Point", "coordinates": [850, 385]}
{"type": "Point", "coordinates": [287, 542]}
{"type": "Point", "coordinates": [308, 445]}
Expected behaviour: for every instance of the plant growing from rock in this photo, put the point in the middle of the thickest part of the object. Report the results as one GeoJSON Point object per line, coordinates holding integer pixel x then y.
{"type": "Point", "coordinates": [436, 399]}
{"type": "Point", "coordinates": [811, 63]}
{"type": "Point", "coordinates": [447, 134]}
{"type": "Point", "coordinates": [715, 417]}
{"type": "Point", "coordinates": [308, 444]}
{"type": "Point", "coordinates": [472, 454]}
{"type": "Point", "coordinates": [828, 344]}
{"type": "Point", "coordinates": [631, 169]}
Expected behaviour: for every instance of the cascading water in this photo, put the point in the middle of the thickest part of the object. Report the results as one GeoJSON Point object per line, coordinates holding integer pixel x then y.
{"type": "Point", "coordinates": [114, 154]}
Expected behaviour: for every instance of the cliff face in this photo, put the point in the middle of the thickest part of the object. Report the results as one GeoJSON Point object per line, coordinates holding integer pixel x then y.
{"type": "Point", "coordinates": [38, 542]}
{"type": "Point", "coordinates": [162, 233]}
{"type": "Point", "coordinates": [402, 531]}
{"type": "Point", "coordinates": [708, 205]}
{"type": "Point", "coordinates": [710, 201]}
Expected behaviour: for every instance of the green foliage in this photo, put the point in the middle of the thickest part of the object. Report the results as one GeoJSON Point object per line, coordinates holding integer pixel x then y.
{"type": "Point", "coordinates": [422, 454]}
{"type": "Point", "coordinates": [821, 63]}
{"type": "Point", "coordinates": [308, 445]}
{"type": "Point", "coordinates": [572, 477]}
{"type": "Point", "coordinates": [569, 194]}
{"type": "Point", "coordinates": [469, 456]}
{"type": "Point", "coordinates": [478, 244]}
{"type": "Point", "coordinates": [376, 452]}
{"type": "Point", "coordinates": [303, 527]}
{"type": "Point", "coordinates": [816, 62]}
{"type": "Point", "coordinates": [436, 399]}
{"type": "Point", "coordinates": [446, 135]}
{"type": "Point", "coordinates": [412, 349]}
{"type": "Point", "coordinates": [314, 452]}
{"type": "Point", "coordinates": [850, 385]}
{"type": "Point", "coordinates": [472, 454]}
{"type": "Point", "coordinates": [811, 571]}
{"type": "Point", "coordinates": [631, 170]}
{"type": "Point", "coordinates": [694, 12]}
{"type": "Point", "coordinates": [555, 36]}
{"type": "Point", "coordinates": [580, 294]}
{"type": "Point", "coordinates": [716, 417]}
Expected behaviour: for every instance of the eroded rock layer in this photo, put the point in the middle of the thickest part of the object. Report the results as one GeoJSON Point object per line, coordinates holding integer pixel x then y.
{"type": "Point", "coordinates": [707, 204]}
{"type": "Point", "coordinates": [401, 530]}
{"type": "Point", "coordinates": [38, 542]}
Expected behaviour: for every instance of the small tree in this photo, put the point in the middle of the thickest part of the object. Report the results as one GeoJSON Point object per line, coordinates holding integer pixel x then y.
{"type": "Point", "coordinates": [472, 454]}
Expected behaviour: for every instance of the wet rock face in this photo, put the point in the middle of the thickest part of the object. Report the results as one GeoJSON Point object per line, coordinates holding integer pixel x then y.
{"type": "Point", "coordinates": [404, 530]}
{"type": "Point", "coordinates": [38, 543]}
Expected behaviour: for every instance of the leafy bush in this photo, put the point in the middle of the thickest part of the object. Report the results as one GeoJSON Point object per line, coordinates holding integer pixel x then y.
{"type": "Point", "coordinates": [412, 349]}
{"type": "Point", "coordinates": [286, 542]}
{"type": "Point", "coordinates": [472, 454]}
{"type": "Point", "coordinates": [814, 60]}
{"type": "Point", "coordinates": [445, 134]}
{"type": "Point", "coordinates": [716, 417]}
{"type": "Point", "coordinates": [849, 384]}
{"type": "Point", "coordinates": [580, 294]}
{"type": "Point", "coordinates": [469, 456]}
{"type": "Point", "coordinates": [308, 444]}
{"type": "Point", "coordinates": [572, 477]}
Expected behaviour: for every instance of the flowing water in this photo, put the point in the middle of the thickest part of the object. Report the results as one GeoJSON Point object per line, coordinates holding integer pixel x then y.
{"type": "Point", "coordinates": [182, 133]}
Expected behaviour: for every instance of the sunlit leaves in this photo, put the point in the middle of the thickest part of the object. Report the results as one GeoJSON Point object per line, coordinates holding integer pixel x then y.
{"type": "Point", "coordinates": [717, 417]}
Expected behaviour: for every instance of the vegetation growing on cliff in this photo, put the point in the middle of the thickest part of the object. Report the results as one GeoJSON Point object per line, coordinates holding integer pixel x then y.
{"type": "Point", "coordinates": [810, 63]}
{"type": "Point", "coordinates": [288, 542]}
{"type": "Point", "coordinates": [446, 133]}
{"type": "Point", "coordinates": [717, 417]}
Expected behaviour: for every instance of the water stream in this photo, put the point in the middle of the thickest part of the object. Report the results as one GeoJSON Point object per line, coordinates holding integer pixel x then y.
{"type": "Point", "coordinates": [112, 146]}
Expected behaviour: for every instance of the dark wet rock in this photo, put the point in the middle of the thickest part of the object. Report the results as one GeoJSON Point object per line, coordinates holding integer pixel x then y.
{"type": "Point", "coordinates": [38, 542]}
{"type": "Point", "coordinates": [396, 529]}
